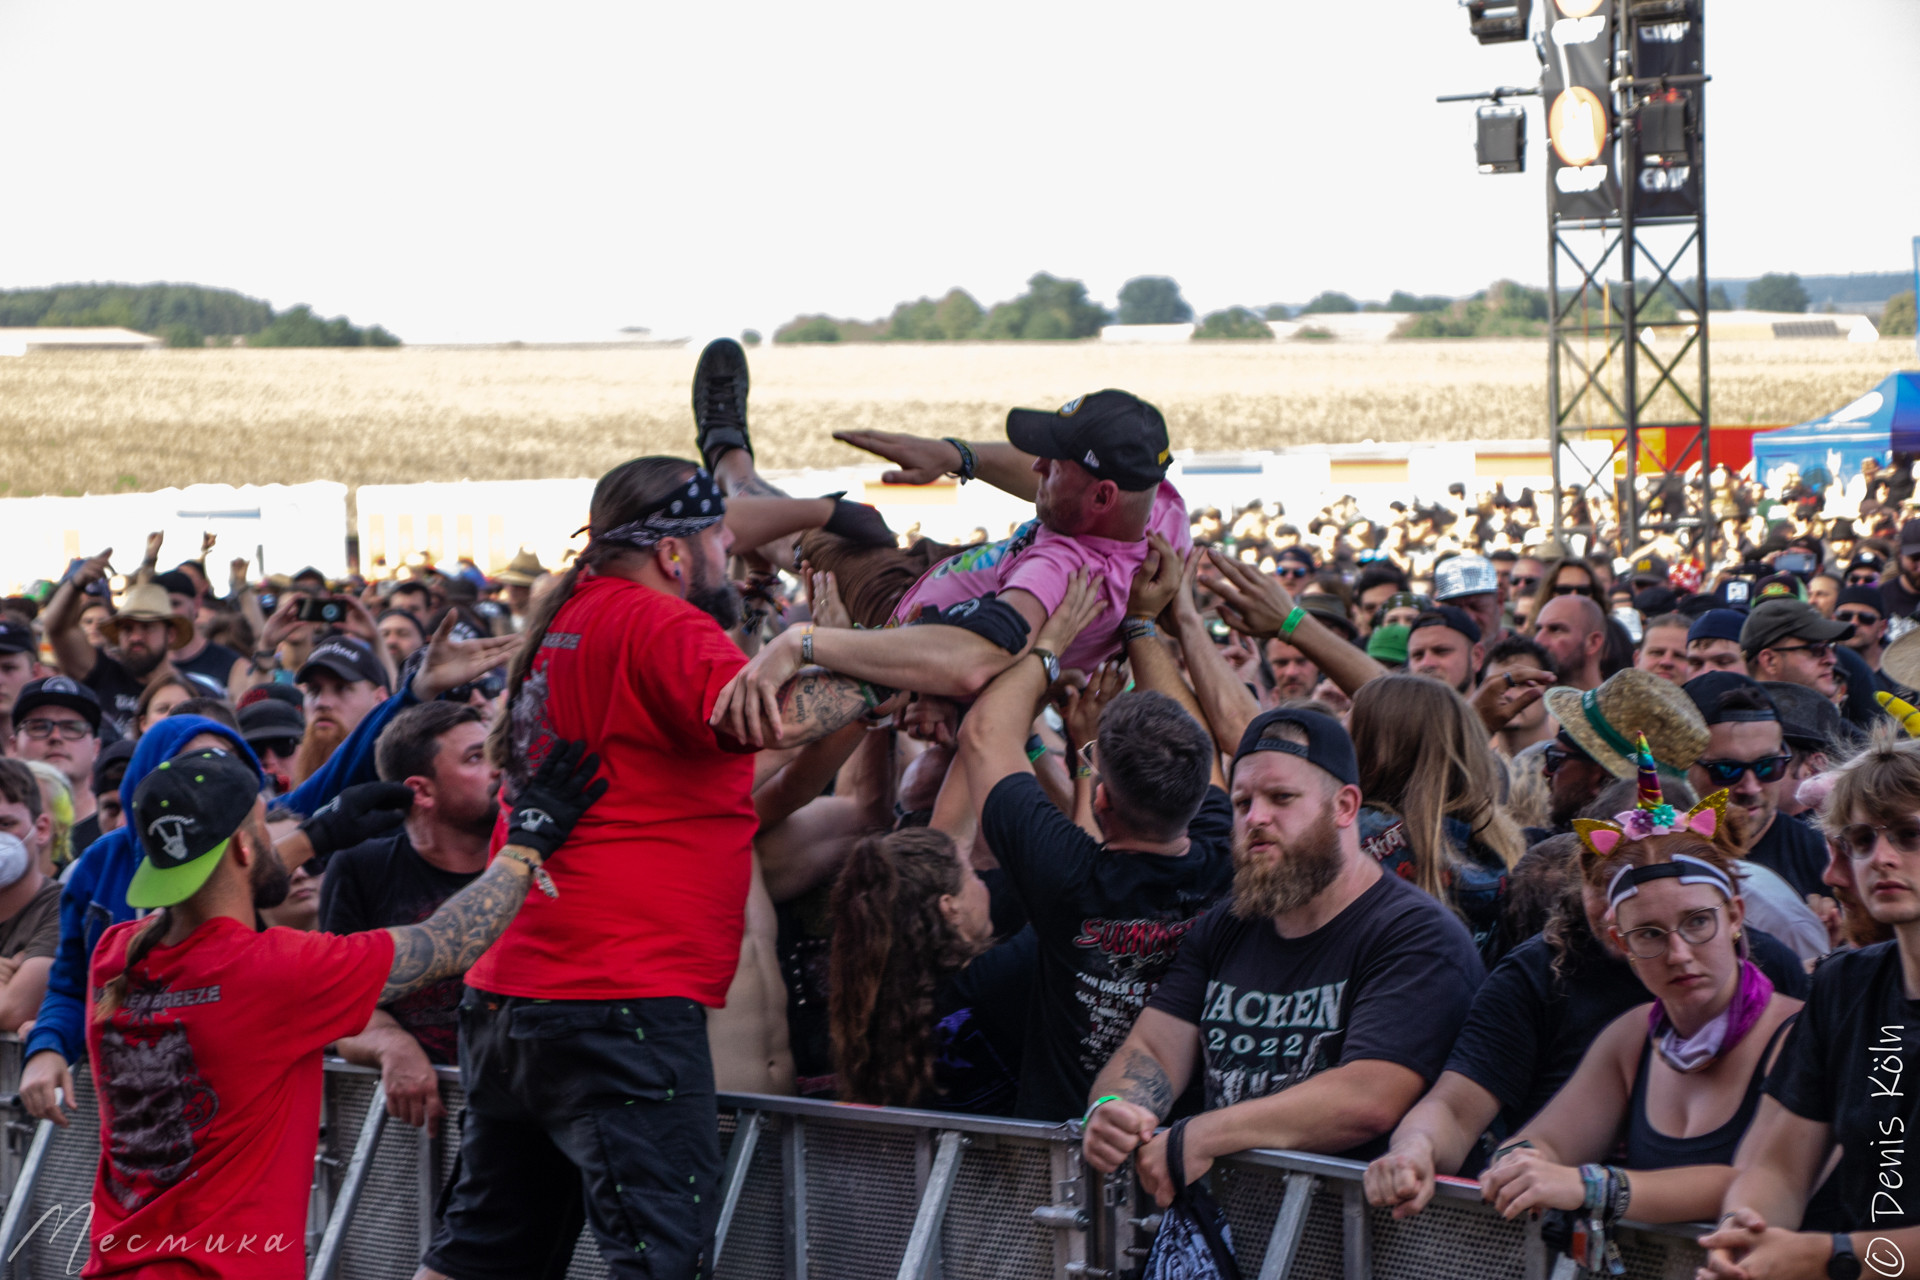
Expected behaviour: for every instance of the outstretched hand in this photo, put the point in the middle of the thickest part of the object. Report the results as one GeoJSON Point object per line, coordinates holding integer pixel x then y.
{"type": "Point", "coordinates": [1083, 602]}
{"type": "Point", "coordinates": [1157, 581]}
{"type": "Point", "coordinates": [917, 459]}
{"type": "Point", "coordinates": [1250, 601]}
{"type": "Point", "coordinates": [451, 663]}
{"type": "Point", "coordinates": [1081, 709]}
{"type": "Point", "coordinates": [1505, 694]}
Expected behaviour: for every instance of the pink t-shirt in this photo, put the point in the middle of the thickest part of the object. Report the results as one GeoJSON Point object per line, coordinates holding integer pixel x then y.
{"type": "Point", "coordinates": [1039, 561]}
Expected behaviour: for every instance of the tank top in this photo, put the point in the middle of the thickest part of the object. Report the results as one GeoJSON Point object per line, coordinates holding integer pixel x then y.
{"type": "Point", "coordinates": [1648, 1148]}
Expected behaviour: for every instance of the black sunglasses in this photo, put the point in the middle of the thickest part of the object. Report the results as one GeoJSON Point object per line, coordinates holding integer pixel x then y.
{"type": "Point", "coordinates": [1553, 757]}
{"type": "Point", "coordinates": [1569, 589]}
{"type": "Point", "coordinates": [1291, 569]}
{"type": "Point", "coordinates": [1818, 651]}
{"type": "Point", "coordinates": [1765, 769]}
{"type": "Point", "coordinates": [1523, 582]}
{"type": "Point", "coordinates": [275, 746]}
{"type": "Point", "coordinates": [1859, 618]}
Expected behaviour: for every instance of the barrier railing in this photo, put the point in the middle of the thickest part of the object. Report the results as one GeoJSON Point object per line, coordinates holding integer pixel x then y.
{"type": "Point", "coordinates": [819, 1191]}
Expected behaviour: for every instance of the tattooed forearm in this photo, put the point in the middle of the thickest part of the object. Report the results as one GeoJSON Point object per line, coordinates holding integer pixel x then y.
{"type": "Point", "coordinates": [815, 703]}
{"type": "Point", "coordinates": [1137, 1076]}
{"type": "Point", "coordinates": [446, 943]}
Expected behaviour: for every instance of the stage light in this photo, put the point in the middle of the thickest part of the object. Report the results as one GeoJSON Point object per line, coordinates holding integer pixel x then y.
{"type": "Point", "coordinates": [1665, 124]}
{"type": "Point", "coordinates": [1498, 21]}
{"type": "Point", "coordinates": [1500, 140]}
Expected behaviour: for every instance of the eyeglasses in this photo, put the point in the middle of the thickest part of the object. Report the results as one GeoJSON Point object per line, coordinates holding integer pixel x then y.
{"type": "Point", "coordinates": [1523, 582]}
{"type": "Point", "coordinates": [276, 746]}
{"type": "Point", "coordinates": [1651, 942]}
{"type": "Point", "coordinates": [1553, 757]}
{"type": "Point", "coordinates": [1292, 570]}
{"type": "Point", "coordinates": [1818, 651]}
{"type": "Point", "coordinates": [1857, 840]}
{"type": "Point", "coordinates": [1765, 769]}
{"type": "Point", "coordinates": [1866, 578]}
{"type": "Point", "coordinates": [71, 730]}
{"type": "Point", "coordinates": [1858, 618]}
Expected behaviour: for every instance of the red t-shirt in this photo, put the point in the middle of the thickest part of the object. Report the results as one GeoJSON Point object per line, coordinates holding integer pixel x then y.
{"type": "Point", "coordinates": [209, 1083]}
{"type": "Point", "coordinates": [653, 881]}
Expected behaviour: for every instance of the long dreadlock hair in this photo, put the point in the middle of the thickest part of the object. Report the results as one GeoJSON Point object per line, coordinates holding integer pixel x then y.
{"type": "Point", "coordinates": [620, 497]}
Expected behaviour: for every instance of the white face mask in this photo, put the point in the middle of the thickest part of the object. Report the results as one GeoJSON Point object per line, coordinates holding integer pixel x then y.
{"type": "Point", "coordinates": [14, 860]}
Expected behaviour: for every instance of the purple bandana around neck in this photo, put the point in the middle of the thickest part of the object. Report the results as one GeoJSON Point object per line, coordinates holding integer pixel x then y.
{"type": "Point", "coordinates": [1696, 1052]}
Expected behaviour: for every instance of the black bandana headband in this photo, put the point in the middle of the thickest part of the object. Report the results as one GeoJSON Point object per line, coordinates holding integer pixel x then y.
{"type": "Point", "coordinates": [686, 511]}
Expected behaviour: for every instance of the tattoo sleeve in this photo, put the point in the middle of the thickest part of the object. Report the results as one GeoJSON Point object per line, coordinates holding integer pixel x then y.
{"type": "Point", "coordinates": [1142, 1081]}
{"type": "Point", "coordinates": [816, 702]}
{"type": "Point", "coordinates": [446, 943]}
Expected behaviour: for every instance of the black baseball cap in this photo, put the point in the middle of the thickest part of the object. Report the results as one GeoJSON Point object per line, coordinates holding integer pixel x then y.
{"type": "Point", "coordinates": [1327, 745]}
{"type": "Point", "coordinates": [1872, 597]}
{"type": "Point", "coordinates": [16, 637]}
{"type": "Point", "coordinates": [110, 766]}
{"type": "Point", "coordinates": [1649, 565]}
{"type": "Point", "coordinates": [1114, 434]}
{"type": "Point", "coordinates": [1783, 617]}
{"type": "Point", "coordinates": [268, 719]}
{"type": "Point", "coordinates": [1297, 554]}
{"type": "Point", "coordinates": [346, 657]}
{"type": "Point", "coordinates": [58, 691]}
{"type": "Point", "coordinates": [176, 583]}
{"type": "Point", "coordinates": [1807, 720]}
{"type": "Point", "coordinates": [1910, 538]}
{"type": "Point", "coordinates": [184, 813]}
{"type": "Point", "coordinates": [1709, 687]}
{"type": "Point", "coordinates": [1451, 616]}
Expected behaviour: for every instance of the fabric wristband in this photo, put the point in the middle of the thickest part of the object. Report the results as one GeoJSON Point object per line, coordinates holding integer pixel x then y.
{"type": "Point", "coordinates": [1036, 747]}
{"type": "Point", "coordinates": [968, 462]}
{"type": "Point", "coordinates": [1096, 1105]}
{"type": "Point", "coordinates": [1136, 628]}
{"type": "Point", "coordinates": [1294, 619]}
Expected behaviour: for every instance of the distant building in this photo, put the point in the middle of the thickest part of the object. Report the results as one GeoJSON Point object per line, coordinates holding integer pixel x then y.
{"type": "Point", "coordinates": [1146, 332]}
{"type": "Point", "coordinates": [1343, 326]}
{"type": "Point", "coordinates": [19, 342]}
{"type": "Point", "coordinates": [1762, 326]}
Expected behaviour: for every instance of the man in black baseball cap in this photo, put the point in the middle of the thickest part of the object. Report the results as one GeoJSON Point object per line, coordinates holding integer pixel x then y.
{"type": "Point", "coordinates": [1901, 581]}
{"type": "Point", "coordinates": [1312, 925]}
{"type": "Point", "coordinates": [1115, 435]}
{"type": "Point", "coordinates": [19, 660]}
{"type": "Point", "coordinates": [343, 680]}
{"type": "Point", "coordinates": [273, 729]}
{"type": "Point", "coordinates": [194, 992]}
{"type": "Point", "coordinates": [1445, 644]}
{"type": "Point", "coordinates": [57, 719]}
{"type": "Point", "coordinates": [1747, 755]}
{"type": "Point", "coordinates": [1787, 639]}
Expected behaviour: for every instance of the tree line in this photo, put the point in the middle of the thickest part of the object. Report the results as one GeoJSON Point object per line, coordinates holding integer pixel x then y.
{"type": "Point", "coordinates": [186, 315]}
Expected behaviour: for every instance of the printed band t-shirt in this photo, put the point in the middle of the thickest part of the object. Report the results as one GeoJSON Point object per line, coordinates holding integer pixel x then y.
{"type": "Point", "coordinates": [208, 1077]}
{"type": "Point", "coordinates": [1390, 978]}
{"type": "Point", "coordinates": [1039, 561]}
{"type": "Point", "coordinates": [1852, 1061]}
{"type": "Point", "coordinates": [383, 884]}
{"type": "Point", "coordinates": [1108, 925]}
{"type": "Point", "coordinates": [653, 882]}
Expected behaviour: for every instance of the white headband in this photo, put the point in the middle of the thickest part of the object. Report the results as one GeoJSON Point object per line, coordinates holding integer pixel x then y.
{"type": "Point", "coordinates": [1626, 884]}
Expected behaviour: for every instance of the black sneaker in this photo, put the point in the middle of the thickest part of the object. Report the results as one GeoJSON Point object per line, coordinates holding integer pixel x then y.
{"type": "Point", "coordinates": [720, 400]}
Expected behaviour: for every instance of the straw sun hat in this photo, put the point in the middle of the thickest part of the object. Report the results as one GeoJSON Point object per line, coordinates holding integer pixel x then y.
{"type": "Point", "coordinates": [1605, 722]}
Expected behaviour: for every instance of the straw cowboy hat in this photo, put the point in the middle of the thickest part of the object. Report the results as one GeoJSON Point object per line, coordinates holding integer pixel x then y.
{"type": "Point", "coordinates": [522, 571]}
{"type": "Point", "coordinates": [149, 602]}
{"type": "Point", "coordinates": [1606, 721]}
{"type": "Point", "coordinates": [1900, 661]}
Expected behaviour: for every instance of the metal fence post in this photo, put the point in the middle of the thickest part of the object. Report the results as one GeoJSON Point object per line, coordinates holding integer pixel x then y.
{"type": "Point", "coordinates": [1288, 1226]}
{"type": "Point", "coordinates": [922, 1244]}
{"type": "Point", "coordinates": [20, 1195]}
{"type": "Point", "coordinates": [746, 1136]}
{"type": "Point", "coordinates": [793, 1160]}
{"type": "Point", "coordinates": [327, 1258]}
{"type": "Point", "coordinates": [1356, 1233]}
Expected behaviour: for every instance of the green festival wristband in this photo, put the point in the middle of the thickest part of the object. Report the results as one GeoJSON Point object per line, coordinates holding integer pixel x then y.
{"type": "Point", "coordinates": [1294, 619]}
{"type": "Point", "coordinates": [1097, 1104]}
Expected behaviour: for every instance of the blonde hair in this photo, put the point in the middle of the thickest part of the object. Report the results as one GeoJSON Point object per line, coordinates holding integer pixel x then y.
{"type": "Point", "coordinates": [1423, 753]}
{"type": "Point", "coordinates": [58, 793]}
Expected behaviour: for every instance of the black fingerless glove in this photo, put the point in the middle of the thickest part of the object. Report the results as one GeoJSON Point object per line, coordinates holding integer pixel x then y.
{"type": "Point", "coordinates": [358, 813]}
{"type": "Point", "coordinates": [858, 522]}
{"type": "Point", "coordinates": [555, 798]}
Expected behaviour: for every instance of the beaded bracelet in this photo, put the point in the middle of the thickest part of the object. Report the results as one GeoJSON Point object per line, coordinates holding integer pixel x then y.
{"type": "Point", "coordinates": [969, 463]}
{"type": "Point", "coordinates": [1136, 628]}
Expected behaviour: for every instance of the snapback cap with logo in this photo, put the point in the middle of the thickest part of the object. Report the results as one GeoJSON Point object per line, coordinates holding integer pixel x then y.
{"type": "Point", "coordinates": [184, 813]}
{"type": "Point", "coordinates": [346, 657]}
{"type": "Point", "coordinates": [1114, 434]}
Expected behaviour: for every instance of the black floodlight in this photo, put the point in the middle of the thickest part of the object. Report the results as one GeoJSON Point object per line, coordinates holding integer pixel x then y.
{"type": "Point", "coordinates": [1665, 121]}
{"type": "Point", "coordinates": [1498, 21]}
{"type": "Point", "coordinates": [1500, 139]}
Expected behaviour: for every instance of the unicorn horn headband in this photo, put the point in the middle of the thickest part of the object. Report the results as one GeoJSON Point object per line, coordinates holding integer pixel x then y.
{"type": "Point", "coordinates": [1653, 816]}
{"type": "Point", "coordinates": [1905, 712]}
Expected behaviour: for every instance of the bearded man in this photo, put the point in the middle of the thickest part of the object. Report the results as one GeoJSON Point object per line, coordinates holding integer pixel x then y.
{"type": "Point", "coordinates": [340, 683]}
{"type": "Point", "coordinates": [1320, 1001]}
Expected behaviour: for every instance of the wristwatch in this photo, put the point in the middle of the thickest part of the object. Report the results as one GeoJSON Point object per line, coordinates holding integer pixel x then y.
{"type": "Point", "coordinates": [1049, 661]}
{"type": "Point", "coordinates": [1843, 1264]}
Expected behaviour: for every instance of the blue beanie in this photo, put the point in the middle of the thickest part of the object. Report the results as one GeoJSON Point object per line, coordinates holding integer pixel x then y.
{"type": "Point", "coordinates": [1717, 624]}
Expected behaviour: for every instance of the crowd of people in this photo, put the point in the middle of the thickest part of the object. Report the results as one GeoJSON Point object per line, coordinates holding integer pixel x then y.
{"type": "Point", "coordinates": [1441, 844]}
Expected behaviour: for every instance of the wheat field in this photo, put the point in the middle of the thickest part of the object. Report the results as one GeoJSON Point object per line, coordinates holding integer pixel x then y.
{"type": "Point", "coordinates": [97, 422]}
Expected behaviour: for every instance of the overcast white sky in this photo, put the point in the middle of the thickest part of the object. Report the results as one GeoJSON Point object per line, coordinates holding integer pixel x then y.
{"type": "Point", "coordinates": [479, 172]}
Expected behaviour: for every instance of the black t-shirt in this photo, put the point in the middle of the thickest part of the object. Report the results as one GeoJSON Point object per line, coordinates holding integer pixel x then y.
{"type": "Point", "coordinates": [1528, 1029]}
{"type": "Point", "coordinates": [1390, 978]}
{"type": "Point", "coordinates": [1901, 603]}
{"type": "Point", "coordinates": [1844, 1066]}
{"type": "Point", "coordinates": [1108, 924]}
{"type": "Point", "coordinates": [1794, 850]}
{"type": "Point", "coordinates": [383, 884]}
{"type": "Point", "coordinates": [119, 692]}
{"type": "Point", "coordinates": [84, 833]}
{"type": "Point", "coordinates": [980, 1017]}
{"type": "Point", "coordinates": [213, 663]}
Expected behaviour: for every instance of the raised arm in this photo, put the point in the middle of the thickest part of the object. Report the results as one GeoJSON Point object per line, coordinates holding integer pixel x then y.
{"type": "Point", "coordinates": [1228, 705]}
{"type": "Point", "coordinates": [924, 459]}
{"type": "Point", "coordinates": [446, 944]}
{"type": "Point", "coordinates": [70, 648]}
{"type": "Point", "coordinates": [1159, 581]}
{"type": "Point", "coordinates": [1257, 604]}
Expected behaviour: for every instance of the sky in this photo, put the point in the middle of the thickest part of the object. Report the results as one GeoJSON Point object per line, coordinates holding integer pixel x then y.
{"type": "Point", "coordinates": [481, 172]}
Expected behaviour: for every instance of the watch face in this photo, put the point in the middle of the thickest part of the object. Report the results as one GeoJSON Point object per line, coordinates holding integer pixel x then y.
{"type": "Point", "coordinates": [1844, 1264]}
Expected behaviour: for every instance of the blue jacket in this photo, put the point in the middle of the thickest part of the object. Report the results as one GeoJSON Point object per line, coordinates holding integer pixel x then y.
{"type": "Point", "coordinates": [95, 894]}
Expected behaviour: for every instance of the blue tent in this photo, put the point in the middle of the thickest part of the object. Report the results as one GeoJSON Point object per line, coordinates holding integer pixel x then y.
{"type": "Point", "coordinates": [1883, 421]}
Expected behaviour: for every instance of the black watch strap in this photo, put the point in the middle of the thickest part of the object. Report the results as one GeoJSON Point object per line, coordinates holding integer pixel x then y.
{"type": "Point", "coordinates": [1842, 1263]}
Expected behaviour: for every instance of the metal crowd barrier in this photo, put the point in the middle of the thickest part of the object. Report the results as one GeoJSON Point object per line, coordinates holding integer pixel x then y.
{"type": "Point", "coordinates": [819, 1191]}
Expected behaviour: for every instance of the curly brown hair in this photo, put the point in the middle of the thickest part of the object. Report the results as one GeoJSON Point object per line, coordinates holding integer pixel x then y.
{"type": "Point", "coordinates": [892, 946]}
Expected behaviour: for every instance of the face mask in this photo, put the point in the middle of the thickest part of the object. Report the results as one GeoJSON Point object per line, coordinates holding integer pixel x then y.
{"type": "Point", "coordinates": [14, 860]}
